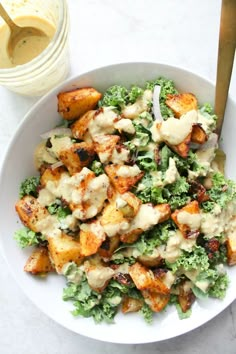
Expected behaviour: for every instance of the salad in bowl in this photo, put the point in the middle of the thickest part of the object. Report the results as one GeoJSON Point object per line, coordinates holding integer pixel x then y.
{"type": "Point", "coordinates": [130, 204]}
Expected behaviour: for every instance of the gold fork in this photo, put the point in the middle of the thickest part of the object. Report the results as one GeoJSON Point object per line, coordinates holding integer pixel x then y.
{"type": "Point", "coordinates": [226, 52]}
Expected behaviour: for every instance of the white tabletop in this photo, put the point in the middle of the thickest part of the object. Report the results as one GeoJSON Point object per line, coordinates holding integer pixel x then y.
{"type": "Point", "coordinates": [182, 33]}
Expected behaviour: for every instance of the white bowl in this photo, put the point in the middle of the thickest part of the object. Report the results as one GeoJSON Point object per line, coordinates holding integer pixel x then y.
{"type": "Point", "coordinates": [18, 164]}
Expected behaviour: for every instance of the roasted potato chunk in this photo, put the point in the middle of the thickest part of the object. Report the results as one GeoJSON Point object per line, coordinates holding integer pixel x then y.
{"type": "Point", "coordinates": [104, 146]}
{"type": "Point", "coordinates": [189, 210]}
{"type": "Point", "coordinates": [182, 149]}
{"type": "Point", "coordinates": [112, 219]}
{"type": "Point", "coordinates": [91, 237]}
{"type": "Point", "coordinates": [131, 208]}
{"type": "Point", "coordinates": [164, 210]}
{"type": "Point", "coordinates": [31, 212]}
{"type": "Point", "coordinates": [181, 103]}
{"type": "Point", "coordinates": [144, 279]}
{"type": "Point", "coordinates": [80, 127]}
{"type": "Point", "coordinates": [108, 247]}
{"type": "Point", "coordinates": [64, 249]}
{"type": "Point", "coordinates": [131, 236]}
{"type": "Point", "coordinates": [122, 183]}
{"type": "Point", "coordinates": [129, 304]}
{"type": "Point", "coordinates": [73, 104]}
{"type": "Point", "coordinates": [231, 249]}
{"type": "Point", "coordinates": [52, 175]}
{"type": "Point", "coordinates": [39, 262]}
{"type": "Point", "coordinates": [186, 297]}
{"type": "Point", "coordinates": [156, 301]}
{"type": "Point", "coordinates": [198, 135]}
{"type": "Point", "coordinates": [77, 156]}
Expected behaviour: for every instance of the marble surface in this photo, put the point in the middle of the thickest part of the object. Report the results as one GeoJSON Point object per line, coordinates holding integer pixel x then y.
{"type": "Point", "coordinates": [182, 33]}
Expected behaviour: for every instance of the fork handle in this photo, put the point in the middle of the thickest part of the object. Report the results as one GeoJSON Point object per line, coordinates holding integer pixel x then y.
{"type": "Point", "coordinates": [226, 52]}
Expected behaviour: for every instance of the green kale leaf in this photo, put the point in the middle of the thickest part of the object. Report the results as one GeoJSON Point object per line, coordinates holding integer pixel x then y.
{"type": "Point", "coordinates": [29, 186]}
{"type": "Point", "coordinates": [196, 259]}
{"type": "Point", "coordinates": [26, 237]}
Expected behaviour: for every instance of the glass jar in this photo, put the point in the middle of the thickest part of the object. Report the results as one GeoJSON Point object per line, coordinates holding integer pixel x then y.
{"type": "Point", "coordinates": [51, 66]}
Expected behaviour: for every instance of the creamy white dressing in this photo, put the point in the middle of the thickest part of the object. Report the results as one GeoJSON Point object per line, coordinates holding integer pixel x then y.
{"type": "Point", "coordinates": [94, 227]}
{"type": "Point", "coordinates": [59, 144]}
{"type": "Point", "coordinates": [125, 125]}
{"type": "Point", "coordinates": [142, 104]}
{"type": "Point", "coordinates": [69, 188]}
{"type": "Point", "coordinates": [103, 123]}
{"type": "Point", "coordinates": [49, 226]}
{"type": "Point", "coordinates": [121, 156]}
{"type": "Point", "coordinates": [116, 228]}
{"type": "Point", "coordinates": [176, 242]}
{"type": "Point", "coordinates": [168, 279]}
{"type": "Point", "coordinates": [98, 276]}
{"type": "Point", "coordinates": [41, 155]}
{"type": "Point", "coordinates": [219, 221]}
{"type": "Point", "coordinates": [69, 222]}
{"type": "Point", "coordinates": [174, 130]}
{"type": "Point", "coordinates": [205, 157]}
{"type": "Point", "coordinates": [191, 220]}
{"type": "Point", "coordinates": [146, 217]}
{"type": "Point", "coordinates": [128, 171]}
{"type": "Point", "coordinates": [172, 173]}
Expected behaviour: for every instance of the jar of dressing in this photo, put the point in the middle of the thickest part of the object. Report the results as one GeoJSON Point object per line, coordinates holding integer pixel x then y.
{"type": "Point", "coordinates": [36, 64]}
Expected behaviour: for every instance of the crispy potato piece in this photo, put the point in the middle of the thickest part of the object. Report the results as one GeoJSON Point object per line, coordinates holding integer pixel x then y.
{"type": "Point", "coordinates": [30, 212]}
{"type": "Point", "coordinates": [131, 236]}
{"type": "Point", "coordinates": [198, 135]}
{"type": "Point", "coordinates": [38, 262]}
{"type": "Point", "coordinates": [112, 219]}
{"type": "Point", "coordinates": [122, 184]}
{"type": "Point", "coordinates": [182, 149]}
{"type": "Point", "coordinates": [53, 175]}
{"type": "Point", "coordinates": [186, 298]}
{"type": "Point", "coordinates": [133, 204]}
{"type": "Point", "coordinates": [144, 279]}
{"type": "Point", "coordinates": [91, 237]}
{"type": "Point", "coordinates": [73, 104]}
{"type": "Point", "coordinates": [104, 146]}
{"type": "Point", "coordinates": [155, 300]}
{"type": "Point", "coordinates": [64, 249]}
{"type": "Point", "coordinates": [129, 304]}
{"type": "Point", "coordinates": [80, 127]}
{"type": "Point", "coordinates": [77, 156]}
{"type": "Point", "coordinates": [191, 208]}
{"type": "Point", "coordinates": [231, 248]}
{"type": "Point", "coordinates": [108, 247]}
{"type": "Point", "coordinates": [181, 103]}
{"type": "Point", "coordinates": [164, 210]}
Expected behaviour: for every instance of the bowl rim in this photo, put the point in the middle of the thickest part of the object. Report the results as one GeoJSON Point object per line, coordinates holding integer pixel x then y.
{"type": "Point", "coordinates": [24, 120]}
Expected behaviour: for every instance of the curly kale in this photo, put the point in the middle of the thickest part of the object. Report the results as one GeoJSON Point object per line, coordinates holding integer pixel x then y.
{"type": "Point", "coordinates": [222, 192]}
{"type": "Point", "coordinates": [119, 96]}
{"type": "Point", "coordinates": [26, 237]}
{"type": "Point", "coordinates": [29, 186]}
{"type": "Point", "coordinates": [196, 259]}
